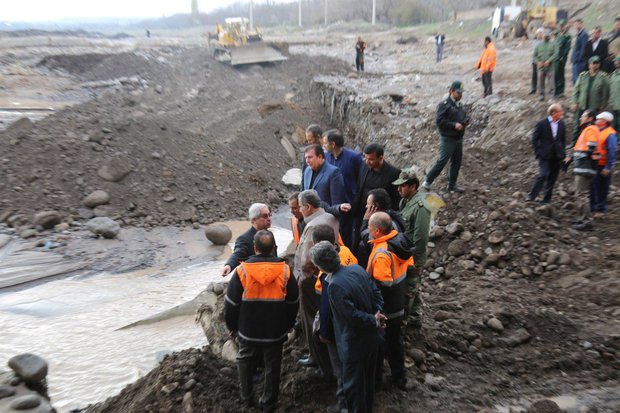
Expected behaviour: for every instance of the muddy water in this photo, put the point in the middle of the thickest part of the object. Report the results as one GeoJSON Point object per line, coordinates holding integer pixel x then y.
{"type": "Point", "coordinates": [72, 323]}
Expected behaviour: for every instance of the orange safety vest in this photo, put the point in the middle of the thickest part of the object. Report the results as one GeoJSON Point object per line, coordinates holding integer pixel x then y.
{"type": "Point", "coordinates": [584, 148]}
{"type": "Point", "coordinates": [346, 258]}
{"type": "Point", "coordinates": [588, 135]}
{"type": "Point", "coordinates": [295, 229]}
{"type": "Point", "coordinates": [602, 147]}
{"type": "Point", "coordinates": [385, 266]}
{"type": "Point", "coordinates": [263, 281]}
{"type": "Point", "coordinates": [488, 59]}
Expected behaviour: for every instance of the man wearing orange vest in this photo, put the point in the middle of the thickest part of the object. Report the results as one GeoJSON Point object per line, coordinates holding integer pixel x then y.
{"type": "Point", "coordinates": [297, 220]}
{"type": "Point", "coordinates": [324, 316]}
{"type": "Point", "coordinates": [486, 64]}
{"type": "Point", "coordinates": [390, 259]}
{"type": "Point", "coordinates": [608, 142]}
{"type": "Point", "coordinates": [260, 308]}
{"type": "Point", "coordinates": [584, 165]}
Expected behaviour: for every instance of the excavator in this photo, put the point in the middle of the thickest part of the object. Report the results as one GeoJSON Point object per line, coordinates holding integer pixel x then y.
{"type": "Point", "coordinates": [517, 21]}
{"type": "Point", "coordinates": [238, 43]}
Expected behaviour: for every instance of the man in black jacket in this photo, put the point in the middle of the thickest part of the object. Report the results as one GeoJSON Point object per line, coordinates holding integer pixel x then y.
{"type": "Point", "coordinates": [260, 217]}
{"type": "Point", "coordinates": [597, 46]}
{"type": "Point", "coordinates": [451, 121]}
{"type": "Point", "coordinates": [260, 308]}
{"type": "Point", "coordinates": [548, 141]}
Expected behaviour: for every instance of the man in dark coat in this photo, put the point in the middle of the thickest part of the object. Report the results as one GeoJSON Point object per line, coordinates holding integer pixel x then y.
{"type": "Point", "coordinates": [260, 217]}
{"type": "Point", "coordinates": [579, 58]}
{"type": "Point", "coordinates": [548, 141]}
{"type": "Point", "coordinates": [357, 306]}
{"type": "Point", "coordinates": [324, 178]}
{"type": "Point", "coordinates": [360, 47]}
{"type": "Point", "coordinates": [597, 46]}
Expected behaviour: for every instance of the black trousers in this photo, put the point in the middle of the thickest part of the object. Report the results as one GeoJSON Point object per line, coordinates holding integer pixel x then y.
{"type": "Point", "coordinates": [394, 349]}
{"type": "Point", "coordinates": [548, 171]}
{"type": "Point", "coordinates": [487, 82]}
{"type": "Point", "coordinates": [246, 363]}
{"type": "Point", "coordinates": [534, 77]}
{"type": "Point", "coordinates": [358, 382]}
{"type": "Point", "coordinates": [359, 62]}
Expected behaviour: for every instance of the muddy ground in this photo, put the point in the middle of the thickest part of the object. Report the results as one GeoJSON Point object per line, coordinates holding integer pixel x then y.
{"type": "Point", "coordinates": [553, 290]}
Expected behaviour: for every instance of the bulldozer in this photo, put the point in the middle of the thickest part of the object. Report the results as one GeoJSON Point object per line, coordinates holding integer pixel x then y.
{"type": "Point", "coordinates": [517, 21]}
{"type": "Point", "coordinates": [237, 43]}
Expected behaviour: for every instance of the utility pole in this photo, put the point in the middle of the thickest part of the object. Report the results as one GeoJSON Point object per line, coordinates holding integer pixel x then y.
{"type": "Point", "coordinates": [325, 19]}
{"type": "Point", "coordinates": [251, 16]}
{"type": "Point", "coordinates": [300, 13]}
{"type": "Point", "coordinates": [374, 11]}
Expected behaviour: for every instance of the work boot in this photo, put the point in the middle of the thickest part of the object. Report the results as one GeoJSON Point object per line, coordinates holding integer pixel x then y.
{"type": "Point", "coordinates": [584, 226]}
{"type": "Point", "coordinates": [456, 189]}
{"type": "Point", "coordinates": [426, 185]}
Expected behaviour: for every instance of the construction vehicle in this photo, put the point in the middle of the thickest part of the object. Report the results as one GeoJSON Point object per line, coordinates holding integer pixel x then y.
{"type": "Point", "coordinates": [238, 43]}
{"type": "Point", "coordinates": [516, 21]}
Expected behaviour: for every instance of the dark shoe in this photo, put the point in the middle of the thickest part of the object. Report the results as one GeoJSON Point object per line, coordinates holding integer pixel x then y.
{"type": "Point", "coordinates": [576, 221]}
{"type": "Point", "coordinates": [336, 408]}
{"type": "Point", "coordinates": [584, 226]}
{"type": "Point", "coordinates": [542, 98]}
{"type": "Point", "coordinates": [401, 383]}
{"type": "Point", "coordinates": [456, 189]}
{"type": "Point", "coordinates": [317, 373]}
{"type": "Point", "coordinates": [306, 362]}
{"type": "Point", "coordinates": [532, 92]}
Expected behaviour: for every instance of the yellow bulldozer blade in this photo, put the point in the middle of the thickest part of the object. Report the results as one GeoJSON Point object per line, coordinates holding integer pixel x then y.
{"type": "Point", "coordinates": [254, 52]}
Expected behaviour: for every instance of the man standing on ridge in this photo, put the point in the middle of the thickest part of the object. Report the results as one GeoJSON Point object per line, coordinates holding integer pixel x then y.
{"type": "Point", "coordinates": [360, 47]}
{"type": "Point", "coordinates": [486, 64]}
{"type": "Point", "coordinates": [451, 121]}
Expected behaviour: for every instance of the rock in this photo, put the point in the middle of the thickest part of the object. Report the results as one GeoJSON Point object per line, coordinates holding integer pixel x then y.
{"type": "Point", "coordinates": [353, 75]}
{"type": "Point", "coordinates": [299, 135]}
{"type": "Point", "coordinates": [467, 264]}
{"type": "Point", "coordinates": [457, 248]}
{"type": "Point", "coordinates": [28, 233]}
{"type": "Point", "coordinates": [26, 402]}
{"type": "Point", "coordinates": [552, 257]}
{"type": "Point", "coordinates": [434, 275]}
{"type": "Point", "coordinates": [455, 228]}
{"type": "Point", "coordinates": [443, 315]}
{"type": "Point", "coordinates": [103, 226]}
{"type": "Point", "coordinates": [267, 108]}
{"type": "Point", "coordinates": [47, 219]}
{"type": "Point", "coordinates": [105, 211]}
{"type": "Point", "coordinates": [96, 198]}
{"type": "Point", "coordinates": [492, 259]}
{"type": "Point", "coordinates": [169, 198]}
{"type": "Point", "coordinates": [86, 213]}
{"type": "Point", "coordinates": [436, 233]}
{"type": "Point", "coordinates": [544, 406]}
{"type": "Point", "coordinates": [4, 239]}
{"type": "Point", "coordinates": [189, 384]}
{"type": "Point", "coordinates": [227, 371]}
{"type": "Point", "coordinates": [495, 325]}
{"type": "Point", "coordinates": [218, 234]}
{"type": "Point", "coordinates": [169, 388]}
{"type": "Point", "coordinates": [466, 236]}
{"type": "Point", "coordinates": [218, 288]}
{"type": "Point", "coordinates": [188, 403]}
{"type": "Point", "coordinates": [230, 350]}
{"type": "Point", "coordinates": [288, 146]}
{"type": "Point", "coordinates": [115, 169]}
{"type": "Point", "coordinates": [565, 259]}
{"type": "Point", "coordinates": [520, 336]}
{"type": "Point", "coordinates": [159, 89]}
{"type": "Point", "coordinates": [63, 226]}
{"type": "Point", "coordinates": [30, 367]}
{"type": "Point", "coordinates": [496, 237]}
{"type": "Point", "coordinates": [292, 177]}
{"type": "Point", "coordinates": [6, 391]}
{"type": "Point", "coordinates": [417, 355]}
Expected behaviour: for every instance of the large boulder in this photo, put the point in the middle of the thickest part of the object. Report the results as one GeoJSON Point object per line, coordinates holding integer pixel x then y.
{"type": "Point", "coordinates": [218, 234]}
{"type": "Point", "coordinates": [30, 367]}
{"type": "Point", "coordinates": [47, 219]}
{"type": "Point", "coordinates": [96, 198]}
{"type": "Point", "coordinates": [114, 170]}
{"type": "Point", "coordinates": [457, 248]}
{"type": "Point", "coordinates": [103, 226]}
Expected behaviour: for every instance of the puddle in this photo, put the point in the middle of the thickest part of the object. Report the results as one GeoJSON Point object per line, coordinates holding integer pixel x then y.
{"type": "Point", "coordinates": [73, 322]}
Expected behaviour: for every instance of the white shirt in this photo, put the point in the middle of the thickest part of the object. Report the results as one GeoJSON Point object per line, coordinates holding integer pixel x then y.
{"type": "Point", "coordinates": [595, 44]}
{"type": "Point", "coordinates": [554, 126]}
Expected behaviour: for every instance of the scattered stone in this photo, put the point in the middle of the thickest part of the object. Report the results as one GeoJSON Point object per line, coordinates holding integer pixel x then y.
{"type": "Point", "coordinates": [493, 259]}
{"type": "Point", "coordinates": [434, 275]}
{"type": "Point", "coordinates": [229, 350]}
{"type": "Point", "coordinates": [187, 404]}
{"type": "Point", "coordinates": [114, 170]}
{"type": "Point", "coordinates": [4, 239]}
{"type": "Point", "coordinates": [169, 388]}
{"type": "Point", "coordinates": [218, 234]}
{"type": "Point", "coordinates": [30, 367]}
{"type": "Point", "coordinates": [26, 402]}
{"type": "Point", "coordinates": [495, 325]}
{"type": "Point", "coordinates": [544, 406]}
{"type": "Point", "coordinates": [552, 257]}
{"type": "Point", "coordinates": [496, 237]}
{"type": "Point", "coordinates": [28, 233]}
{"type": "Point", "coordinates": [6, 391]}
{"type": "Point", "coordinates": [228, 371]}
{"type": "Point", "coordinates": [292, 177]}
{"type": "Point", "coordinates": [457, 248]}
{"type": "Point", "coordinates": [103, 226]}
{"type": "Point", "coordinates": [169, 198]}
{"type": "Point", "coordinates": [443, 315]}
{"type": "Point", "coordinates": [96, 198]}
{"type": "Point", "coordinates": [467, 264]}
{"type": "Point", "coordinates": [189, 384]}
{"type": "Point", "coordinates": [353, 75]}
{"type": "Point", "coordinates": [86, 213]}
{"type": "Point", "coordinates": [159, 89]}
{"type": "Point", "coordinates": [47, 219]}
{"type": "Point", "coordinates": [564, 259]}
{"type": "Point", "coordinates": [63, 226]}
{"type": "Point", "coordinates": [417, 355]}
{"type": "Point", "coordinates": [454, 228]}
{"type": "Point", "coordinates": [218, 288]}
{"type": "Point", "coordinates": [520, 336]}
{"type": "Point", "coordinates": [267, 108]}
{"type": "Point", "coordinates": [466, 236]}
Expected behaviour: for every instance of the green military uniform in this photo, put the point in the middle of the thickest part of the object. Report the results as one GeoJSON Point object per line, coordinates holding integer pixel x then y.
{"type": "Point", "coordinates": [590, 92]}
{"type": "Point", "coordinates": [614, 97]}
{"type": "Point", "coordinates": [545, 51]}
{"type": "Point", "coordinates": [563, 48]}
{"type": "Point", "coordinates": [417, 216]}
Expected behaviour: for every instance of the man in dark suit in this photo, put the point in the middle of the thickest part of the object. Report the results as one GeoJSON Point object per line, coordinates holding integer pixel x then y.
{"type": "Point", "coordinates": [579, 58]}
{"type": "Point", "coordinates": [260, 217]}
{"type": "Point", "coordinates": [548, 140]}
{"type": "Point", "coordinates": [324, 178]}
{"type": "Point", "coordinates": [597, 46]}
{"type": "Point", "coordinates": [357, 314]}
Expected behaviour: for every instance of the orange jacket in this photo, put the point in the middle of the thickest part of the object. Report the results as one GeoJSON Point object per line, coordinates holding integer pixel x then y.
{"type": "Point", "coordinates": [263, 281]}
{"type": "Point", "coordinates": [602, 145]}
{"type": "Point", "coordinates": [295, 229]}
{"type": "Point", "coordinates": [488, 59]}
{"type": "Point", "coordinates": [588, 135]}
{"type": "Point", "coordinates": [346, 258]}
{"type": "Point", "coordinates": [384, 266]}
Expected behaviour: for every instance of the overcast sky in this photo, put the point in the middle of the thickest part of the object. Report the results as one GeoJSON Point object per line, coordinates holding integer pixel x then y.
{"type": "Point", "coordinates": [47, 10]}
